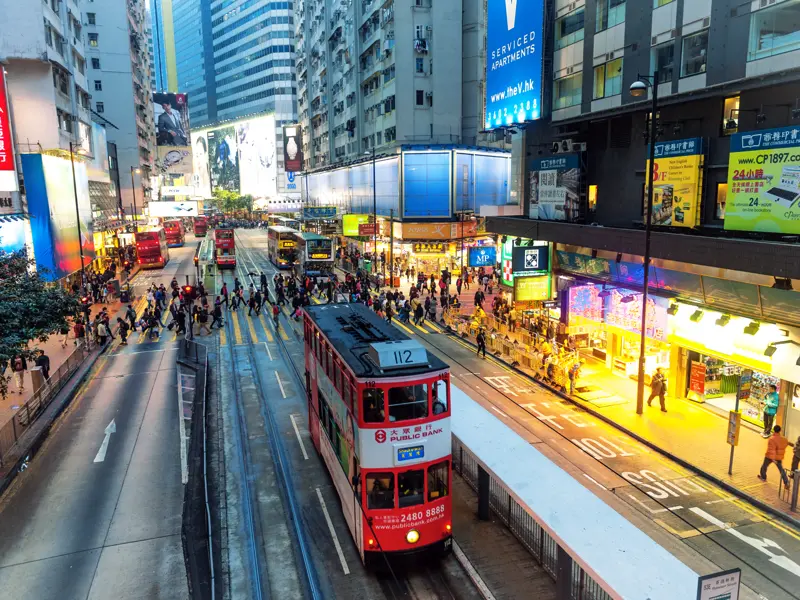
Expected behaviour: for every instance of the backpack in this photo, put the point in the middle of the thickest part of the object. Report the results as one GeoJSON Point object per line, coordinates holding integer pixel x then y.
{"type": "Point", "coordinates": [18, 364]}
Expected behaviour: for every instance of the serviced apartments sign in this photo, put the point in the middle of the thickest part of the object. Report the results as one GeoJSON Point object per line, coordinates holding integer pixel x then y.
{"type": "Point", "coordinates": [764, 181]}
{"type": "Point", "coordinates": [514, 45]}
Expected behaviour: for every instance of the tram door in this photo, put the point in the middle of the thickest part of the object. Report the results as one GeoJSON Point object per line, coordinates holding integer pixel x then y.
{"type": "Point", "coordinates": [358, 514]}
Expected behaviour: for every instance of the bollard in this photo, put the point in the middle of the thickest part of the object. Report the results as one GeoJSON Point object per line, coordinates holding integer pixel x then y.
{"type": "Point", "coordinates": [37, 378]}
{"type": "Point", "coordinates": [483, 494]}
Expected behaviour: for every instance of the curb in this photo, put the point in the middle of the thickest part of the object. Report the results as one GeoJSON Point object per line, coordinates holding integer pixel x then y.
{"type": "Point", "coordinates": [760, 504]}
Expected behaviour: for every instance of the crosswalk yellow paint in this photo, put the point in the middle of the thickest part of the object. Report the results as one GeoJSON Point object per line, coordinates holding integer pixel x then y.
{"type": "Point", "coordinates": [237, 330]}
{"type": "Point", "coordinates": [223, 339]}
{"type": "Point", "coordinates": [266, 329]}
{"type": "Point", "coordinates": [397, 323]}
{"type": "Point", "coordinates": [253, 334]}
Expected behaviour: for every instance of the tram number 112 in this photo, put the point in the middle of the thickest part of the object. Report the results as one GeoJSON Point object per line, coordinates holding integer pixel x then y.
{"type": "Point", "coordinates": [402, 357]}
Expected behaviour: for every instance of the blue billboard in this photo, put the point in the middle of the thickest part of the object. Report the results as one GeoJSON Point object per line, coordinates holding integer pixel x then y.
{"type": "Point", "coordinates": [482, 256]}
{"type": "Point", "coordinates": [426, 184]}
{"type": "Point", "coordinates": [514, 45]}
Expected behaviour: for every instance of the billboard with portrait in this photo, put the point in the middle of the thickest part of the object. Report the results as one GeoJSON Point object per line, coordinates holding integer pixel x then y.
{"type": "Point", "coordinates": [514, 46]}
{"type": "Point", "coordinates": [54, 226]}
{"type": "Point", "coordinates": [201, 178]}
{"type": "Point", "coordinates": [223, 158]}
{"type": "Point", "coordinates": [764, 181]}
{"type": "Point", "coordinates": [554, 184]}
{"type": "Point", "coordinates": [292, 148]}
{"type": "Point", "coordinates": [173, 151]}
{"type": "Point", "coordinates": [258, 160]}
{"type": "Point", "coordinates": [678, 181]}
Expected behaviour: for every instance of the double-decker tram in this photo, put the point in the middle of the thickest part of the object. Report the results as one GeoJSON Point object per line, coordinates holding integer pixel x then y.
{"type": "Point", "coordinates": [281, 221]}
{"type": "Point", "coordinates": [314, 256]}
{"type": "Point", "coordinates": [224, 248]}
{"type": "Point", "coordinates": [379, 415]}
{"type": "Point", "coordinates": [282, 246]}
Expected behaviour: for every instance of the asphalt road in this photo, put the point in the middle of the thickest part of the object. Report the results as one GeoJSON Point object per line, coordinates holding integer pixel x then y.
{"type": "Point", "coordinates": [97, 514]}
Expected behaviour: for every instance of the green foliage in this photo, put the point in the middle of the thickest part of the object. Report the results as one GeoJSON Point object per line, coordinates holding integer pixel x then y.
{"type": "Point", "coordinates": [30, 308]}
{"type": "Point", "coordinates": [231, 202]}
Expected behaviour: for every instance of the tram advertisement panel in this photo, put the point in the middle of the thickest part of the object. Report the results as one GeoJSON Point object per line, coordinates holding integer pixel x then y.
{"type": "Point", "coordinates": [401, 446]}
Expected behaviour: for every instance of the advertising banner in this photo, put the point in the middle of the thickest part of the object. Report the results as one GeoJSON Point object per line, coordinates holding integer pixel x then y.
{"type": "Point", "coordinates": [223, 159]}
{"type": "Point", "coordinates": [427, 231]}
{"type": "Point", "coordinates": [697, 378]}
{"type": "Point", "coordinates": [764, 181]}
{"type": "Point", "coordinates": [514, 46]}
{"type": "Point", "coordinates": [530, 259]}
{"type": "Point", "coordinates": [463, 229]}
{"type": "Point", "coordinates": [12, 235]}
{"type": "Point", "coordinates": [554, 184]}
{"type": "Point", "coordinates": [200, 164]}
{"type": "Point", "coordinates": [8, 172]}
{"type": "Point", "coordinates": [174, 209]}
{"type": "Point", "coordinates": [350, 224]}
{"type": "Point", "coordinates": [292, 148]}
{"type": "Point", "coordinates": [678, 178]}
{"type": "Point", "coordinates": [97, 169]}
{"type": "Point", "coordinates": [319, 212]}
{"type": "Point", "coordinates": [429, 248]}
{"type": "Point", "coordinates": [506, 257]}
{"type": "Point", "coordinates": [177, 190]}
{"type": "Point", "coordinates": [482, 256]}
{"type": "Point", "coordinates": [623, 308]}
{"type": "Point", "coordinates": [532, 289]}
{"type": "Point", "coordinates": [367, 229]}
{"type": "Point", "coordinates": [173, 153]}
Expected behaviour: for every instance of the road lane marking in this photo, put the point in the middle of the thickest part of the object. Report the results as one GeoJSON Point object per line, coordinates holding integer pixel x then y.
{"type": "Point", "coordinates": [182, 433]}
{"type": "Point", "coordinates": [403, 327]}
{"type": "Point", "coordinates": [253, 334]}
{"type": "Point", "coordinates": [268, 352]}
{"type": "Point", "coordinates": [237, 331]}
{"type": "Point", "coordinates": [594, 481]}
{"type": "Point", "coordinates": [333, 533]}
{"type": "Point", "coordinates": [500, 412]}
{"type": "Point", "coordinates": [266, 329]}
{"type": "Point", "coordinates": [476, 579]}
{"type": "Point", "coordinates": [280, 384]}
{"type": "Point", "coordinates": [223, 340]}
{"type": "Point", "coordinates": [299, 439]}
{"type": "Point", "coordinates": [101, 453]}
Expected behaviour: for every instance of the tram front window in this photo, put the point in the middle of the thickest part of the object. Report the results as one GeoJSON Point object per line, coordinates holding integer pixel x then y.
{"type": "Point", "coordinates": [286, 256]}
{"type": "Point", "coordinates": [439, 392]}
{"type": "Point", "coordinates": [410, 486]}
{"type": "Point", "coordinates": [373, 405]}
{"type": "Point", "coordinates": [380, 490]}
{"type": "Point", "coordinates": [408, 402]}
{"type": "Point", "coordinates": [437, 481]}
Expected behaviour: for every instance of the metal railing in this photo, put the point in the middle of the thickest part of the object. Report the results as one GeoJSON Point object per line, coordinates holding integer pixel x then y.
{"type": "Point", "coordinates": [21, 421]}
{"type": "Point", "coordinates": [572, 581]}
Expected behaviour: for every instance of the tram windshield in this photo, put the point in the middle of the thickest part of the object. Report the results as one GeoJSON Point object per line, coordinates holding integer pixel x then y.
{"type": "Point", "coordinates": [410, 486]}
{"type": "Point", "coordinates": [380, 490]}
{"type": "Point", "coordinates": [440, 397]}
{"type": "Point", "coordinates": [437, 481]}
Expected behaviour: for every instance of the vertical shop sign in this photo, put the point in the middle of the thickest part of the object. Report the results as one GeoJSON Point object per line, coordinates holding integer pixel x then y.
{"type": "Point", "coordinates": [745, 383]}
{"type": "Point", "coordinates": [697, 378]}
{"type": "Point", "coordinates": [8, 172]}
{"type": "Point", "coordinates": [678, 181]}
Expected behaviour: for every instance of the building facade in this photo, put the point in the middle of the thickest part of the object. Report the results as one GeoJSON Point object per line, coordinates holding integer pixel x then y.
{"type": "Point", "coordinates": [119, 72]}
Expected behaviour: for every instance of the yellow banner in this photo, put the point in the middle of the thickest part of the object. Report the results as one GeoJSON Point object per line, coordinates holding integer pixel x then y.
{"type": "Point", "coordinates": [678, 181]}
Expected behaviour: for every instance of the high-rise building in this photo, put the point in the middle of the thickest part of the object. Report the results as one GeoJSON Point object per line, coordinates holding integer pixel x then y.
{"type": "Point", "coordinates": [161, 36]}
{"type": "Point", "coordinates": [194, 66]}
{"type": "Point", "coordinates": [120, 83]}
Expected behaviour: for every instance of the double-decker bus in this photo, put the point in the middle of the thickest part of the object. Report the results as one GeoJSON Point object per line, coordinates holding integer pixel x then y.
{"type": "Point", "coordinates": [284, 222]}
{"type": "Point", "coordinates": [224, 248]}
{"type": "Point", "coordinates": [314, 256]}
{"type": "Point", "coordinates": [379, 415]}
{"type": "Point", "coordinates": [175, 233]}
{"type": "Point", "coordinates": [282, 246]}
{"type": "Point", "coordinates": [151, 249]}
{"type": "Point", "coordinates": [200, 226]}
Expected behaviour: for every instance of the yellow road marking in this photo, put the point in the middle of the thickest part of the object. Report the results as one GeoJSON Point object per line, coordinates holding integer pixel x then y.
{"type": "Point", "coordinates": [397, 323]}
{"type": "Point", "coordinates": [284, 335]}
{"type": "Point", "coordinates": [223, 340]}
{"type": "Point", "coordinates": [266, 329]}
{"type": "Point", "coordinates": [237, 331]}
{"type": "Point", "coordinates": [253, 334]}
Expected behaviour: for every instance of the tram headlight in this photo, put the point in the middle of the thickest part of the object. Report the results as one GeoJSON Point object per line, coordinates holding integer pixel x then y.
{"type": "Point", "coordinates": [412, 537]}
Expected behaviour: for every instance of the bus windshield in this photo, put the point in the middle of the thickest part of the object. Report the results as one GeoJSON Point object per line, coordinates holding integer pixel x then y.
{"type": "Point", "coordinates": [287, 254]}
{"type": "Point", "coordinates": [224, 234]}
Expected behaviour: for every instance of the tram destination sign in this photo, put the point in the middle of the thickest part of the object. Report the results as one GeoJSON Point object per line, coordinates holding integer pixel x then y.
{"type": "Point", "coordinates": [398, 355]}
{"type": "Point", "coordinates": [410, 453]}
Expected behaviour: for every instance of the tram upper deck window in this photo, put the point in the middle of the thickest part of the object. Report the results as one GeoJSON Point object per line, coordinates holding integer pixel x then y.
{"type": "Point", "coordinates": [437, 481]}
{"type": "Point", "coordinates": [440, 397]}
{"type": "Point", "coordinates": [410, 487]}
{"type": "Point", "coordinates": [380, 490]}
{"type": "Point", "coordinates": [373, 405]}
{"type": "Point", "coordinates": [408, 402]}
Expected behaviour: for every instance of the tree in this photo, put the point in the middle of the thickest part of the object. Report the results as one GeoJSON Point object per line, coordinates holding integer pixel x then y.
{"type": "Point", "coordinates": [31, 308]}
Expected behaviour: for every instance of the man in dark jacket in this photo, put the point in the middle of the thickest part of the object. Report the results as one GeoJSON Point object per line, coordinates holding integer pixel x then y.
{"type": "Point", "coordinates": [43, 361]}
{"type": "Point", "coordinates": [658, 387]}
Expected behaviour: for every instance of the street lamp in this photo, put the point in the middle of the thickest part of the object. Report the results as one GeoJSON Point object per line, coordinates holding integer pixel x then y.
{"type": "Point", "coordinates": [77, 209]}
{"type": "Point", "coordinates": [638, 89]}
{"type": "Point", "coordinates": [133, 191]}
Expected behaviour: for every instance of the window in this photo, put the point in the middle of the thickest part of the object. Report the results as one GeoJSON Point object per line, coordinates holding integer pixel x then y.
{"type": "Point", "coordinates": [91, 18]}
{"type": "Point", "coordinates": [440, 397]}
{"type": "Point", "coordinates": [60, 81]}
{"type": "Point", "coordinates": [663, 61]}
{"type": "Point", "coordinates": [567, 91]}
{"type": "Point", "coordinates": [380, 490]}
{"type": "Point", "coordinates": [338, 375]}
{"type": "Point", "coordinates": [93, 40]}
{"type": "Point", "coordinates": [374, 410]}
{"type": "Point", "coordinates": [100, 107]}
{"type": "Point", "coordinates": [408, 402]}
{"type": "Point", "coordinates": [608, 79]}
{"type": "Point", "coordinates": [693, 59]}
{"type": "Point", "coordinates": [609, 13]}
{"type": "Point", "coordinates": [95, 63]}
{"type": "Point", "coordinates": [411, 488]}
{"type": "Point", "coordinates": [79, 63]}
{"type": "Point", "coordinates": [98, 85]}
{"type": "Point", "coordinates": [419, 65]}
{"type": "Point", "coordinates": [722, 198]}
{"type": "Point", "coordinates": [730, 115]}
{"type": "Point", "coordinates": [774, 30]}
{"type": "Point", "coordinates": [437, 481]}
{"type": "Point", "coordinates": [569, 29]}
{"type": "Point", "coordinates": [419, 32]}
{"type": "Point", "coordinates": [420, 97]}
{"type": "Point", "coordinates": [48, 34]}
{"type": "Point", "coordinates": [54, 4]}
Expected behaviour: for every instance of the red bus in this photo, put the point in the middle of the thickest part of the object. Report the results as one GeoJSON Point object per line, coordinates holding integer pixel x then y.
{"type": "Point", "coordinates": [224, 248]}
{"type": "Point", "coordinates": [151, 249]}
{"type": "Point", "coordinates": [200, 226]}
{"type": "Point", "coordinates": [176, 235]}
{"type": "Point", "coordinates": [379, 415]}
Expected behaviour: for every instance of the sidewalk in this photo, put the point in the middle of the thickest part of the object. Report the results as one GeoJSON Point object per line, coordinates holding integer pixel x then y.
{"type": "Point", "coordinates": [688, 433]}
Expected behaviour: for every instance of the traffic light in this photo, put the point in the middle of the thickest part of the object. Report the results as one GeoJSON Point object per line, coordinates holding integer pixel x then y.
{"type": "Point", "coordinates": [196, 260]}
{"type": "Point", "coordinates": [188, 292]}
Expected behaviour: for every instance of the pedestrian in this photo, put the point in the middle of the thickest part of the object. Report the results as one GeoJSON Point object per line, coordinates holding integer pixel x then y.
{"type": "Point", "coordinates": [275, 314]}
{"type": "Point", "coordinates": [658, 387]}
{"type": "Point", "coordinates": [796, 456]}
{"type": "Point", "coordinates": [459, 283]}
{"type": "Point", "coordinates": [123, 327]}
{"type": "Point", "coordinates": [202, 319]}
{"type": "Point", "coordinates": [43, 361]}
{"type": "Point", "coordinates": [259, 302]}
{"type": "Point", "coordinates": [18, 366]}
{"type": "Point", "coordinates": [180, 317]}
{"type": "Point", "coordinates": [130, 314]}
{"type": "Point", "coordinates": [80, 333]}
{"type": "Point", "coordinates": [150, 298]}
{"type": "Point", "coordinates": [224, 293]}
{"type": "Point", "coordinates": [64, 333]}
{"type": "Point", "coordinates": [481, 340]}
{"type": "Point", "coordinates": [776, 449]}
{"type": "Point", "coordinates": [217, 314]}
{"type": "Point", "coordinates": [263, 282]}
{"type": "Point", "coordinates": [102, 334]}
{"type": "Point", "coordinates": [771, 402]}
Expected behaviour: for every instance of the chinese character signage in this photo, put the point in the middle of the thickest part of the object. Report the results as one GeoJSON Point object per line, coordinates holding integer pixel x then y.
{"type": "Point", "coordinates": [623, 308]}
{"type": "Point", "coordinates": [678, 181]}
{"type": "Point", "coordinates": [532, 289]}
{"type": "Point", "coordinates": [319, 212]}
{"type": "Point", "coordinates": [530, 259]}
{"type": "Point", "coordinates": [292, 148]}
{"type": "Point", "coordinates": [553, 188]}
{"type": "Point", "coordinates": [514, 46]}
{"type": "Point", "coordinates": [764, 181]}
{"type": "Point", "coordinates": [8, 172]}
{"type": "Point", "coordinates": [719, 586]}
{"type": "Point", "coordinates": [429, 247]}
{"type": "Point", "coordinates": [482, 256]}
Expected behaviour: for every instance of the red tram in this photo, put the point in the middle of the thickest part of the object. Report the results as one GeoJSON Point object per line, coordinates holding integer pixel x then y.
{"type": "Point", "coordinates": [379, 414]}
{"type": "Point", "coordinates": [225, 248]}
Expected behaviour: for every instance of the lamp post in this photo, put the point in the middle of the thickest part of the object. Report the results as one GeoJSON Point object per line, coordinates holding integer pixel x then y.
{"type": "Point", "coordinates": [133, 191]}
{"type": "Point", "coordinates": [639, 88]}
{"type": "Point", "coordinates": [77, 209]}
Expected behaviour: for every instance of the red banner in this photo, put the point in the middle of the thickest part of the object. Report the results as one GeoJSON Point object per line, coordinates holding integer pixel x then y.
{"type": "Point", "coordinates": [697, 378]}
{"type": "Point", "coordinates": [366, 229]}
{"type": "Point", "coordinates": [8, 174]}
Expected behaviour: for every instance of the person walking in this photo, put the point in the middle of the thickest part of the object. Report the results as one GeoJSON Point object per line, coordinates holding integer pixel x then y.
{"type": "Point", "coordinates": [459, 283]}
{"type": "Point", "coordinates": [122, 327]}
{"type": "Point", "coordinates": [64, 333]}
{"type": "Point", "coordinates": [771, 402]}
{"type": "Point", "coordinates": [224, 293]}
{"type": "Point", "coordinates": [217, 314]}
{"type": "Point", "coordinates": [130, 314]}
{"type": "Point", "coordinates": [43, 362]}
{"type": "Point", "coordinates": [80, 333]}
{"type": "Point", "coordinates": [481, 340]}
{"type": "Point", "coordinates": [102, 334]}
{"type": "Point", "coordinates": [658, 387]}
{"type": "Point", "coordinates": [259, 302]}
{"type": "Point", "coordinates": [202, 319]}
{"type": "Point", "coordinates": [796, 456]}
{"type": "Point", "coordinates": [18, 366]}
{"type": "Point", "coordinates": [776, 449]}
{"type": "Point", "coordinates": [151, 299]}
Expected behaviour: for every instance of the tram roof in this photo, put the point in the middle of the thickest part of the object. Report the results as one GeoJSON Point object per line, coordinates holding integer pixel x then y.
{"type": "Point", "coordinates": [307, 236]}
{"type": "Point", "coordinates": [282, 229]}
{"type": "Point", "coordinates": [352, 328]}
